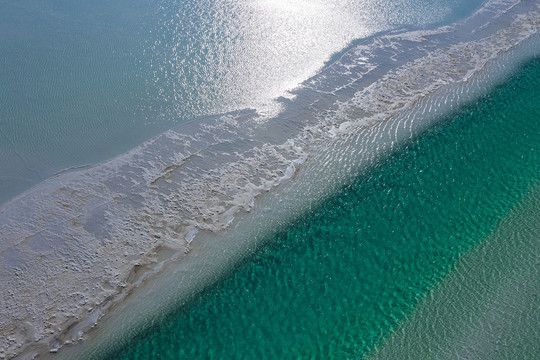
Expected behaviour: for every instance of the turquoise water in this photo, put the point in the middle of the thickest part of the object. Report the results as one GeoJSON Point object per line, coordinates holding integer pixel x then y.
{"type": "Point", "coordinates": [487, 307]}
{"type": "Point", "coordinates": [338, 279]}
{"type": "Point", "coordinates": [82, 82]}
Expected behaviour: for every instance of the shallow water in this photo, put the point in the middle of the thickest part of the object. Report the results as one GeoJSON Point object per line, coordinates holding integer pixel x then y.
{"type": "Point", "coordinates": [336, 280]}
{"type": "Point", "coordinates": [73, 246]}
{"type": "Point", "coordinates": [81, 83]}
{"type": "Point", "coordinates": [487, 307]}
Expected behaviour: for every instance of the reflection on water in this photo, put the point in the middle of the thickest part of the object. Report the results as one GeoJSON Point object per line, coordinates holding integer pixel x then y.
{"type": "Point", "coordinates": [80, 83]}
{"type": "Point", "coordinates": [245, 53]}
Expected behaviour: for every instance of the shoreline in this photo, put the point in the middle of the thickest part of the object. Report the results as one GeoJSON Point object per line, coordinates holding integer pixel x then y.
{"type": "Point", "coordinates": [274, 161]}
{"type": "Point", "coordinates": [212, 258]}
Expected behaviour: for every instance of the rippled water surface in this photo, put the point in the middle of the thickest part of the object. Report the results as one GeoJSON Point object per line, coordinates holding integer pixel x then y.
{"type": "Point", "coordinates": [361, 199]}
{"type": "Point", "coordinates": [83, 82]}
{"type": "Point", "coordinates": [338, 279]}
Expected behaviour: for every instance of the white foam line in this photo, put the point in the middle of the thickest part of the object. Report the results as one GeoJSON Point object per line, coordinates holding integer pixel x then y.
{"type": "Point", "coordinates": [172, 194]}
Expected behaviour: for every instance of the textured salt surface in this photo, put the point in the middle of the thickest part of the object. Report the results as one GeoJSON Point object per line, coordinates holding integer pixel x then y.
{"type": "Point", "coordinates": [78, 242]}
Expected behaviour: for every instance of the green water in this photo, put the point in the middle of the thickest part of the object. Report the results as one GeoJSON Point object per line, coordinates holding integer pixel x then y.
{"type": "Point", "coordinates": [487, 308]}
{"type": "Point", "coordinates": [341, 277]}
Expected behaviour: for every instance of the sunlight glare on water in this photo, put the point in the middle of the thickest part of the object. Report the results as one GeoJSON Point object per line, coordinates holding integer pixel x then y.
{"type": "Point", "coordinates": [81, 83]}
{"type": "Point", "coordinates": [246, 53]}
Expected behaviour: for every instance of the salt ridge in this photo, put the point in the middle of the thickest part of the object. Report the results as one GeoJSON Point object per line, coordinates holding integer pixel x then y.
{"type": "Point", "coordinates": [80, 241]}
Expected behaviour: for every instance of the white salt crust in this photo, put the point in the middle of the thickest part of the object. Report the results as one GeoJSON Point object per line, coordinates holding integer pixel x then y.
{"type": "Point", "coordinates": [77, 243]}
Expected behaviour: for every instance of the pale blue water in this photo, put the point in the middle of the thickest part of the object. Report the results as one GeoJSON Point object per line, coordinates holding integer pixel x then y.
{"type": "Point", "coordinates": [317, 93]}
{"type": "Point", "coordinates": [81, 82]}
